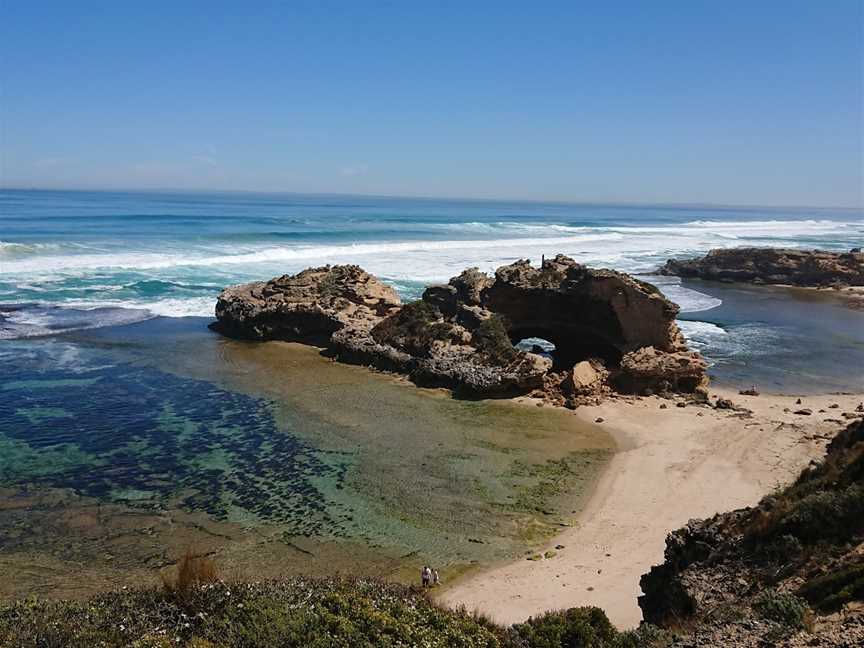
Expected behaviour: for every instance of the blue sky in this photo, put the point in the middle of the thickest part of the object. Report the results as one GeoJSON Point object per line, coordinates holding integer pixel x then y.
{"type": "Point", "coordinates": [756, 102]}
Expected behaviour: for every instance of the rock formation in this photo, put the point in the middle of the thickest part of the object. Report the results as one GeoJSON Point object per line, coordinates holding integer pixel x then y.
{"type": "Point", "coordinates": [306, 307]}
{"type": "Point", "coordinates": [610, 330]}
{"type": "Point", "coordinates": [755, 576]}
{"type": "Point", "coordinates": [815, 268]}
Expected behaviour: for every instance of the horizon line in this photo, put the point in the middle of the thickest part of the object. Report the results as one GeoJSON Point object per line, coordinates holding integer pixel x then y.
{"type": "Point", "coordinates": [597, 203]}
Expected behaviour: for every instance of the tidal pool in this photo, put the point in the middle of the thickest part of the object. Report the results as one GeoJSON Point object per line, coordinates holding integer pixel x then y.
{"type": "Point", "coordinates": [121, 446]}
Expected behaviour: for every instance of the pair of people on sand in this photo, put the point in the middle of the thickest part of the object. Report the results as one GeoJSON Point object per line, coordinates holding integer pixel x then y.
{"type": "Point", "coordinates": [429, 577]}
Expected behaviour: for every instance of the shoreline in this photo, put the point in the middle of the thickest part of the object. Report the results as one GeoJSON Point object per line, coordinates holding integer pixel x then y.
{"type": "Point", "coordinates": [719, 459]}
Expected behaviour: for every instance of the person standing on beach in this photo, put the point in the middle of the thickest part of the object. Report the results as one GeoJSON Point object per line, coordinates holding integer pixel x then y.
{"type": "Point", "coordinates": [435, 578]}
{"type": "Point", "coordinates": [425, 575]}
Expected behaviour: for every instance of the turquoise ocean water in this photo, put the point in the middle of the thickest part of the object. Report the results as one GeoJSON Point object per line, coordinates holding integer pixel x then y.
{"type": "Point", "coordinates": [113, 388]}
{"type": "Point", "coordinates": [73, 260]}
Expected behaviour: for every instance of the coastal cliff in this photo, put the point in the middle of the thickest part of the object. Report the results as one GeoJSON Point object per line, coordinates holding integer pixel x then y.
{"type": "Point", "coordinates": [612, 332]}
{"type": "Point", "coordinates": [812, 268]}
{"type": "Point", "coordinates": [793, 564]}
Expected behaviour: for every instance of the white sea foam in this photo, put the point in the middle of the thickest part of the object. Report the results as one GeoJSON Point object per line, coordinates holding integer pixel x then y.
{"type": "Point", "coordinates": [169, 307]}
{"type": "Point", "coordinates": [270, 254]}
{"type": "Point", "coordinates": [39, 320]}
{"type": "Point", "coordinates": [635, 249]}
{"type": "Point", "coordinates": [689, 300]}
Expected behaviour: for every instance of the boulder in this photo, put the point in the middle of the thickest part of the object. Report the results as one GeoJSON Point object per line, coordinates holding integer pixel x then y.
{"type": "Point", "coordinates": [585, 379]}
{"type": "Point", "coordinates": [651, 369]}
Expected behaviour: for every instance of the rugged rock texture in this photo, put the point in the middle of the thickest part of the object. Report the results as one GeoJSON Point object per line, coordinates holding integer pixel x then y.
{"type": "Point", "coordinates": [609, 330]}
{"type": "Point", "coordinates": [585, 312]}
{"type": "Point", "coordinates": [764, 576]}
{"type": "Point", "coordinates": [774, 266]}
{"type": "Point", "coordinates": [651, 369]}
{"type": "Point", "coordinates": [306, 307]}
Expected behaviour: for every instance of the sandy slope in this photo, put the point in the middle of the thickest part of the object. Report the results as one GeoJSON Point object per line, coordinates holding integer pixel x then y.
{"type": "Point", "coordinates": [674, 464]}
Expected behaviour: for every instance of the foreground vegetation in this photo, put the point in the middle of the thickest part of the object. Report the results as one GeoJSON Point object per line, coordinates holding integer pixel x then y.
{"type": "Point", "coordinates": [191, 612]}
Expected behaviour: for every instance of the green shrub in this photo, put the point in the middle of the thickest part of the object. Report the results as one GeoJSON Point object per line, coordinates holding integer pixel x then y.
{"type": "Point", "coordinates": [586, 627]}
{"type": "Point", "coordinates": [492, 341]}
{"type": "Point", "coordinates": [786, 609]}
{"type": "Point", "coordinates": [302, 613]}
{"type": "Point", "coordinates": [645, 636]}
{"type": "Point", "coordinates": [825, 515]}
{"type": "Point", "coordinates": [412, 328]}
{"type": "Point", "coordinates": [831, 591]}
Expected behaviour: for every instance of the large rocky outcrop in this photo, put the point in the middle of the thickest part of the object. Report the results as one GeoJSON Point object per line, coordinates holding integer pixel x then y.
{"type": "Point", "coordinates": [755, 577]}
{"type": "Point", "coordinates": [816, 268]}
{"type": "Point", "coordinates": [461, 334]}
{"type": "Point", "coordinates": [307, 307]}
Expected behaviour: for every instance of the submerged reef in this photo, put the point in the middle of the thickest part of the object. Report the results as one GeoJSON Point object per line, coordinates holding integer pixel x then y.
{"type": "Point", "coordinates": [611, 332]}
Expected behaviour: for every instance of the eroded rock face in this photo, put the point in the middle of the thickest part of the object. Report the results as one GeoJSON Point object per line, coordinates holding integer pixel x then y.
{"type": "Point", "coordinates": [774, 266]}
{"type": "Point", "coordinates": [307, 307]}
{"type": "Point", "coordinates": [585, 312]}
{"type": "Point", "coordinates": [609, 329]}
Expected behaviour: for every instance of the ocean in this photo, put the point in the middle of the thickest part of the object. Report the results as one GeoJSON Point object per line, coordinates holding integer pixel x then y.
{"type": "Point", "coordinates": [74, 259]}
{"type": "Point", "coordinates": [128, 430]}
{"type": "Point", "coordinates": [170, 254]}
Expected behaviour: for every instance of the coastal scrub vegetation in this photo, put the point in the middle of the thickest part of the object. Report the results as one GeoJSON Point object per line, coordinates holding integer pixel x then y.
{"type": "Point", "coordinates": [192, 570]}
{"type": "Point", "coordinates": [308, 613]}
{"type": "Point", "coordinates": [492, 341]}
{"type": "Point", "coordinates": [412, 328]}
{"type": "Point", "coordinates": [784, 608]}
{"type": "Point", "coordinates": [825, 504]}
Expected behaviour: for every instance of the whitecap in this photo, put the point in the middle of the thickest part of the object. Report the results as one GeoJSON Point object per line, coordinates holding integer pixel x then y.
{"type": "Point", "coordinates": [39, 320]}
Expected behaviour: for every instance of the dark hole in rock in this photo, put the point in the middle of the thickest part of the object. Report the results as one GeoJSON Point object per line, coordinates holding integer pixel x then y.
{"type": "Point", "coordinates": [565, 353]}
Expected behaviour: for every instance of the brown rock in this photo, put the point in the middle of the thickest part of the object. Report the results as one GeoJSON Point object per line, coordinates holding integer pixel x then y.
{"type": "Point", "coordinates": [647, 368]}
{"type": "Point", "coordinates": [307, 307]}
{"type": "Point", "coordinates": [773, 266]}
{"type": "Point", "coordinates": [609, 329]}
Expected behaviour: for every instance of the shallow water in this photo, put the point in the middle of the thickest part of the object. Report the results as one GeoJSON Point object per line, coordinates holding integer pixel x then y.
{"type": "Point", "coordinates": [791, 340]}
{"type": "Point", "coordinates": [274, 440]}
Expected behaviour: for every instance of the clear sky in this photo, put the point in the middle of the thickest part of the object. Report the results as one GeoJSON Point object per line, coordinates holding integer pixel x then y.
{"type": "Point", "coordinates": [721, 101]}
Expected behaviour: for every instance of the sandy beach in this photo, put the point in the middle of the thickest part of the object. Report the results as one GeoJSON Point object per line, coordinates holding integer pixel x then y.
{"type": "Point", "coordinates": [674, 464]}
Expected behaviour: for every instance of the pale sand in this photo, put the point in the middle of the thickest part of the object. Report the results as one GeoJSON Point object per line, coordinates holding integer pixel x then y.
{"type": "Point", "coordinates": [674, 464]}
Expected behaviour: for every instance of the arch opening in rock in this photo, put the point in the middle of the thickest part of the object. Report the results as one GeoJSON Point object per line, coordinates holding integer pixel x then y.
{"type": "Point", "coordinates": [566, 350]}
{"type": "Point", "coordinates": [538, 346]}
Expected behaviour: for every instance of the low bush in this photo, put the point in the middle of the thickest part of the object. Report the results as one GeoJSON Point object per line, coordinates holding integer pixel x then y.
{"type": "Point", "coordinates": [302, 613]}
{"type": "Point", "coordinates": [493, 343]}
{"type": "Point", "coordinates": [786, 609]}
{"type": "Point", "coordinates": [413, 328]}
{"type": "Point", "coordinates": [299, 612]}
{"type": "Point", "coordinates": [828, 515]}
{"type": "Point", "coordinates": [830, 592]}
{"type": "Point", "coordinates": [192, 570]}
{"type": "Point", "coordinates": [586, 627]}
